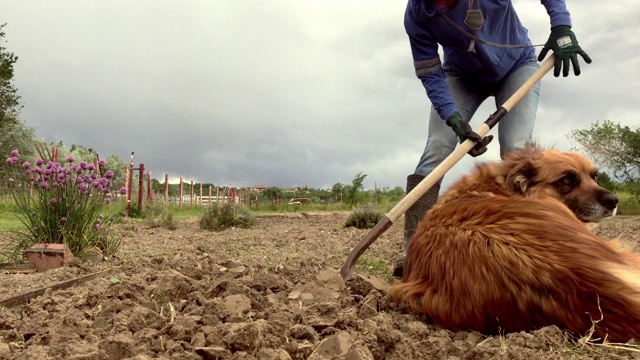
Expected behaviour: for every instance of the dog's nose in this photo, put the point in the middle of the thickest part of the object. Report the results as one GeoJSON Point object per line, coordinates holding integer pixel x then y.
{"type": "Point", "coordinates": [609, 200]}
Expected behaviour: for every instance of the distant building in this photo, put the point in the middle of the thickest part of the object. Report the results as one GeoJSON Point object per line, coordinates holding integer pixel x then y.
{"type": "Point", "coordinates": [254, 188]}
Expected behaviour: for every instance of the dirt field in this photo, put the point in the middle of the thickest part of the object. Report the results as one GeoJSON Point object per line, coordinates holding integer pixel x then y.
{"type": "Point", "coordinates": [269, 292]}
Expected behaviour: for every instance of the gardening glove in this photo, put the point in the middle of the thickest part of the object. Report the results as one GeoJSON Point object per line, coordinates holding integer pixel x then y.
{"type": "Point", "coordinates": [464, 132]}
{"type": "Point", "coordinates": [565, 46]}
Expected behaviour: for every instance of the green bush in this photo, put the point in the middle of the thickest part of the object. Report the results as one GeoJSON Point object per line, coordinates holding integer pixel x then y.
{"type": "Point", "coordinates": [60, 203]}
{"type": "Point", "coordinates": [156, 214]}
{"type": "Point", "coordinates": [220, 217]}
{"type": "Point", "coordinates": [365, 217]}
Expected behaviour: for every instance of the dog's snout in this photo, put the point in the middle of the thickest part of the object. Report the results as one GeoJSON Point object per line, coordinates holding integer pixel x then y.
{"type": "Point", "coordinates": [608, 200]}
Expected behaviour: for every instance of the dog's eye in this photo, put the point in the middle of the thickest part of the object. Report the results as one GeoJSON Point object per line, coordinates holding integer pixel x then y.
{"type": "Point", "coordinates": [569, 179]}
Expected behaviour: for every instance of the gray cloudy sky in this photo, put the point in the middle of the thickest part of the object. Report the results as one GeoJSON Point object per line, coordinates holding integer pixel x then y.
{"type": "Point", "coordinates": [281, 92]}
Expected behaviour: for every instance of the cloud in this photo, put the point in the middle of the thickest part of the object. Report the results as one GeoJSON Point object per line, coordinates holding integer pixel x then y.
{"type": "Point", "coordinates": [279, 93]}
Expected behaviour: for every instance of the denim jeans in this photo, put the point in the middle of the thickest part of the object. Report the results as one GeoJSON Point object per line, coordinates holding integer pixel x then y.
{"type": "Point", "coordinates": [514, 130]}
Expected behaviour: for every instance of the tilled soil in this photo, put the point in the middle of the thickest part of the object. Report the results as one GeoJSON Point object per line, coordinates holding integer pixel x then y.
{"type": "Point", "coordinates": [269, 292]}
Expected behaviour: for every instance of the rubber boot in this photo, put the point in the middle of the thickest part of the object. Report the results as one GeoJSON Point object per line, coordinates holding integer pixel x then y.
{"type": "Point", "coordinates": [413, 216]}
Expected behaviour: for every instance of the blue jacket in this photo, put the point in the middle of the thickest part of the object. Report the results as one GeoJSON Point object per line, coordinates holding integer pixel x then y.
{"type": "Point", "coordinates": [427, 28]}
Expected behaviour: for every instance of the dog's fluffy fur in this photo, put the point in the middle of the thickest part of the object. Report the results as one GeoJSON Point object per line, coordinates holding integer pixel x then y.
{"type": "Point", "coordinates": [507, 249]}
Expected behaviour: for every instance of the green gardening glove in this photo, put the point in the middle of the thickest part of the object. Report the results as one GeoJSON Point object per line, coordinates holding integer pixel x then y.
{"type": "Point", "coordinates": [565, 46]}
{"type": "Point", "coordinates": [464, 132]}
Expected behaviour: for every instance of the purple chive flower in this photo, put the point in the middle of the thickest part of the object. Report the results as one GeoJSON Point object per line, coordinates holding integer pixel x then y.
{"type": "Point", "coordinates": [83, 165]}
{"type": "Point", "coordinates": [79, 180]}
{"type": "Point", "coordinates": [108, 174]}
{"type": "Point", "coordinates": [26, 165]}
{"type": "Point", "coordinates": [49, 164]}
{"type": "Point", "coordinates": [39, 162]}
{"type": "Point", "coordinates": [70, 159]}
{"type": "Point", "coordinates": [44, 184]}
{"type": "Point", "coordinates": [101, 163]}
{"type": "Point", "coordinates": [38, 170]}
{"type": "Point", "coordinates": [9, 160]}
{"type": "Point", "coordinates": [53, 200]}
{"type": "Point", "coordinates": [124, 214]}
{"type": "Point", "coordinates": [123, 190]}
{"type": "Point", "coordinates": [107, 200]}
{"type": "Point", "coordinates": [91, 167]}
{"type": "Point", "coordinates": [84, 188]}
{"type": "Point", "coordinates": [14, 152]}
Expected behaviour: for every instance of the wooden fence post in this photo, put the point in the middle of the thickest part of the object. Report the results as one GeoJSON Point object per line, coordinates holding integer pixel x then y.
{"type": "Point", "coordinates": [180, 201]}
{"type": "Point", "coordinates": [149, 198]}
{"type": "Point", "coordinates": [191, 194]}
{"type": "Point", "coordinates": [166, 188]}
{"type": "Point", "coordinates": [140, 187]}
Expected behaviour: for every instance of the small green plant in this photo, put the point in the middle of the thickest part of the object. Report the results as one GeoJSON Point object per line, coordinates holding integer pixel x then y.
{"type": "Point", "coordinates": [60, 203]}
{"type": "Point", "coordinates": [156, 214]}
{"type": "Point", "coordinates": [365, 217]}
{"type": "Point", "coordinates": [226, 215]}
{"type": "Point", "coordinates": [168, 222]}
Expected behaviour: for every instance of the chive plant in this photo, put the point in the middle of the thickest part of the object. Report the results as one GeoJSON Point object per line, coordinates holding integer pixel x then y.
{"type": "Point", "coordinates": [62, 203]}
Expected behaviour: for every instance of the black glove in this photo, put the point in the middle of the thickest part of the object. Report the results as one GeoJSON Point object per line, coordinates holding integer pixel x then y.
{"type": "Point", "coordinates": [565, 46]}
{"type": "Point", "coordinates": [464, 132]}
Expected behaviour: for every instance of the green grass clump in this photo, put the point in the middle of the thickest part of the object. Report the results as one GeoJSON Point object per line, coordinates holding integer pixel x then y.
{"type": "Point", "coordinates": [365, 217]}
{"type": "Point", "coordinates": [628, 204]}
{"type": "Point", "coordinates": [156, 214]}
{"type": "Point", "coordinates": [220, 217]}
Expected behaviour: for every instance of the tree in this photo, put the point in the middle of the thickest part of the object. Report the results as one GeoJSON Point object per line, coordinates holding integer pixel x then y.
{"type": "Point", "coordinates": [338, 190]}
{"type": "Point", "coordinates": [15, 134]}
{"type": "Point", "coordinates": [272, 193]}
{"type": "Point", "coordinates": [606, 182]}
{"type": "Point", "coordinates": [9, 98]}
{"type": "Point", "coordinates": [614, 146]}
{"type": "Point", "coordinates": [352, 192]}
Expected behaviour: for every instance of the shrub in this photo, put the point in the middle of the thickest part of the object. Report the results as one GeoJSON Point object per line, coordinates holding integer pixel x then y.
{"type": "Point", "coordinates": [220, 217]}
{"type": "Point", "coordinates": [61, 204]}
{"type": "Point", "coordinates": [156, 214]}
{"type": "Point", "coordinates": [365, 217]}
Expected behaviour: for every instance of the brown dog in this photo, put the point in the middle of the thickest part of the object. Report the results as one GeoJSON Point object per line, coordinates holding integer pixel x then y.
{"type": "Point", "coordinates": [506, 249]}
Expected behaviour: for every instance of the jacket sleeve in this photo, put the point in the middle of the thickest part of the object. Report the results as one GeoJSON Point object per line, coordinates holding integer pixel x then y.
{"type": "Point", "coordinates": [558, 13]}
{"type": "Point", "coordinates": [428, 68]}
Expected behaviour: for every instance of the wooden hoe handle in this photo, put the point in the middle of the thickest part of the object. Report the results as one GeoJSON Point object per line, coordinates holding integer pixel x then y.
{"type": "Point", "coordinates": [403, 205]}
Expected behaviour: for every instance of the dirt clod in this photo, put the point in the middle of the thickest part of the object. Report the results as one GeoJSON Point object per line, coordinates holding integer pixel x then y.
{"type": "Point", "coordinates": [270, 292]}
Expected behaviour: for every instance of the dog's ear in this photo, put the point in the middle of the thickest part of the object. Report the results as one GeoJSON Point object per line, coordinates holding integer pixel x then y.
{"type": "Point", "coordinates": [520, 177]}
